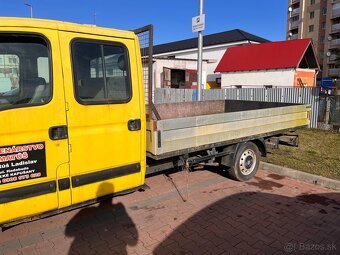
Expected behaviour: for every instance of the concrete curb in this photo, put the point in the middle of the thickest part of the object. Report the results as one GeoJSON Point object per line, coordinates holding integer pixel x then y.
{"type": "Point", "coordinates": [302, 176]}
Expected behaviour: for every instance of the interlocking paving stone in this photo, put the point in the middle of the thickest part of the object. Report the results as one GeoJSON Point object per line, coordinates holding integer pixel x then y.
{"type": "Point", "coordinates": [211, 214]}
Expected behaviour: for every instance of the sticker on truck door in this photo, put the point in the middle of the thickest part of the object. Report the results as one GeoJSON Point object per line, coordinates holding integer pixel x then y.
{"type": "Point", "coordinates": [22, 162]}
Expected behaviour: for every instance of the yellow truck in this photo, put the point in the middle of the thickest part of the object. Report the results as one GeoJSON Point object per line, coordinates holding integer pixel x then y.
{"type": "Point", "coordinates": [73, 116]}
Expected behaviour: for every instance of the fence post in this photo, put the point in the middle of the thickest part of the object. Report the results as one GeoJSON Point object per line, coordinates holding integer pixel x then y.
{"type": "Point", "coordinates": [328, 109]}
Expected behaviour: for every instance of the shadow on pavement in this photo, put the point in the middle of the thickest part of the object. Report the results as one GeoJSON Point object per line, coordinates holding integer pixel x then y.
{"type": "Point", "coordinates": [105, 229]}
{"type": "Point", "coordinates": [260, 223]}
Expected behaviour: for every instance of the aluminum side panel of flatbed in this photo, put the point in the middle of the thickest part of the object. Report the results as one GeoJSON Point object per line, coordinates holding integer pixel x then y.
{"type": "Point", "coordinates": [164, 136]}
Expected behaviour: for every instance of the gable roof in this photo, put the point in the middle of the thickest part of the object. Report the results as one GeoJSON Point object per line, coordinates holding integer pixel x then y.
{"type": "Point", "coordinates": [270, 55]}
{"type": "Point", "coordinates": [235, 35]}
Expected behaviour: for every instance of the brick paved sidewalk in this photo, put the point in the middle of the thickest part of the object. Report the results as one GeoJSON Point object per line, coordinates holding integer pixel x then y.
{"type": "Point", "coordinates": [212, 215]}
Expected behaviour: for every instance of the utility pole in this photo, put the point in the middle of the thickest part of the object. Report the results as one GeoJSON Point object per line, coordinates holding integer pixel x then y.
{"type": "Point", "coordinates": [198, 25]}
{"type": "Point", "coordinates": [31, 8]}
{"type": "Point", "coordinates": [94, 18]}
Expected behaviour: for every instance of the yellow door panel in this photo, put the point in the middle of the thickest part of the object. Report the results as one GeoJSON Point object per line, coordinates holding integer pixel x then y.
{"type": "Point", "coordinates": [105, 122]}
{"type": "Point", "coordinates": [30, 109]}
{"type": "Point", "coordinates": [28, 207]}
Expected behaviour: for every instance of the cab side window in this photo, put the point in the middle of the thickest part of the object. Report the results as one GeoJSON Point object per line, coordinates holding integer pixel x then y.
{"type": "Point", "coordinates": [101, 72]}
{"type": "Point", "coordinates": [24, 71]}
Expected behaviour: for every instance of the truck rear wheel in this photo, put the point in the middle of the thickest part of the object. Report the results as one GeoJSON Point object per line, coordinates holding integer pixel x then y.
{"type": "Point", "coordinates": [246, 162]}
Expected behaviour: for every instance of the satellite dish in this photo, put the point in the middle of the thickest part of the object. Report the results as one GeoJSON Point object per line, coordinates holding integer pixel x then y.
{"type": "Point", "coordinates": [290, 9]}
{"type": "Point", "coordinates": [328, 54]}
{"type": "Point", "coordinates": [329, 38]}
{"type": "Point", "coordinates": [290, 34]}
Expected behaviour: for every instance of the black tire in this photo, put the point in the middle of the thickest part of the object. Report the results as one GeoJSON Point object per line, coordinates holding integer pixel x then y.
{"type": "Point", "coordinates": [247, 161]}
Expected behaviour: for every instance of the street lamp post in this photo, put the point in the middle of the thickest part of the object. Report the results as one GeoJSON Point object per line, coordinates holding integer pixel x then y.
{"type": "Point", "coordinates": [199, 56]}
{"type": "Point", "coordinates": [198, 25]}
{"type": "Point", "coordinates": [31, 8]}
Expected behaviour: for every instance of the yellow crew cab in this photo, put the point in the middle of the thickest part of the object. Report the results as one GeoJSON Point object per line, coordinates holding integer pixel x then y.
{"type": "Point", "coordinates": [68, 96]}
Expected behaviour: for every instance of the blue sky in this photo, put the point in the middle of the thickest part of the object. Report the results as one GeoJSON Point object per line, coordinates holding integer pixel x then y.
{"type": "Point", "coordinates": [171, 19]}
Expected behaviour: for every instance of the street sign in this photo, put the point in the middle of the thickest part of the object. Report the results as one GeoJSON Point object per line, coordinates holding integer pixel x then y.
{"type": "Point", "coordinates": [198, 23]}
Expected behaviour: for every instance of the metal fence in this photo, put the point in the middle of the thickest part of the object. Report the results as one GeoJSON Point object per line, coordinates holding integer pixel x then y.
{"type": "Point", "coordinates": [335, 110]}
{"type": "Point", "coordinates": [285, 95]}
{"type": "Point", "coordinates": [329, 111]}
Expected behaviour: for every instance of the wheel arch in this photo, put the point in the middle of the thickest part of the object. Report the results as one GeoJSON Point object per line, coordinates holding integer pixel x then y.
{"type": "Point", "coordinates": [261, 145]}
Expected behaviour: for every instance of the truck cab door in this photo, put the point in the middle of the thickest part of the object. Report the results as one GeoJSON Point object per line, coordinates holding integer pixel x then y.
{"type": "Point", "coordinates": [33, 131]}
{"type": "Point", "coordinates": [103, 94]}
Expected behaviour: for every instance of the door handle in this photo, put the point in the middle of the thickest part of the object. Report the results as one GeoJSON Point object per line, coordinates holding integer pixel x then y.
{"type": "Point", "coordinates": [58, 132]}
{"type": "Point", "coordinates": [134, 125]}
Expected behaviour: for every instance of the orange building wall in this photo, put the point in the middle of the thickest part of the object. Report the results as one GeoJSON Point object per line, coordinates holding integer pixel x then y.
{"type": "Point", "coordinates": [307, 77]}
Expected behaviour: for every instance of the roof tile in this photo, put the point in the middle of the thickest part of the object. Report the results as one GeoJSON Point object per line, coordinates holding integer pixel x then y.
{"type": "Point", "coordinates": [235, 35]}
{"type": "Point", "coordinates": [270, 55]}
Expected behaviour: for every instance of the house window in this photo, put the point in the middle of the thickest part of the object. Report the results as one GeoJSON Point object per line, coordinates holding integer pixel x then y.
{"type": "Point", "coordinates": [218, 81]}
{"type": "Point", "coordinates": [311, 28]}
{"type": "Point", "coordinates": [311, 15]}
{"type": "Point", "coordinates": [312, 2]}
{"type": "Point", "coordinates": [295, 18]}
{"type": "Point", "coordinates": [322, 39]}
{"type": "Point", "coordinates": [323, 25]}
{"type": "Point", "coordinates": [324, 11]}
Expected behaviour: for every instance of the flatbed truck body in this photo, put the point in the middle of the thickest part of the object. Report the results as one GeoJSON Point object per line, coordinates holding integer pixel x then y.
{"type": "Point", "coordinates": [175, 133]}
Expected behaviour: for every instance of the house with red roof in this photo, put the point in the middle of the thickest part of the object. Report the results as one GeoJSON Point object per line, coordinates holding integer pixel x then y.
{"type": "Point", "coordinates": [290, 63]}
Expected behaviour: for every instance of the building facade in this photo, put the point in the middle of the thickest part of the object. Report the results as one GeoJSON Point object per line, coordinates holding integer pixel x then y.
{"type": "Point", "coordinates": [177, 73]}
{"type": "Point", "coordinates": [320, 21]}
{"type": "Point", "coordinates": [9, 72]}
{"type": "Point", "coordinates": [270, 65]}
{"type": "Point", "coordinates": [214, 46]}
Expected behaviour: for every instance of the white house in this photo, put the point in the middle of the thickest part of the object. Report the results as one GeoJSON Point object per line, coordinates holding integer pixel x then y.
{"type": "Point", "coordinates": [273, 64]}
{"type": "Point", "coordinates": [214, 46]}
{"type": "Point", "coordinates": [176, 73]}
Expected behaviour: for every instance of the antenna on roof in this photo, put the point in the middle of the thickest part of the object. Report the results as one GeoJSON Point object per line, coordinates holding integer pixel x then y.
{"type": "Point", "coordinates": [94, 18]}
{"type": "Point", "coordinates": [31, 8]}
